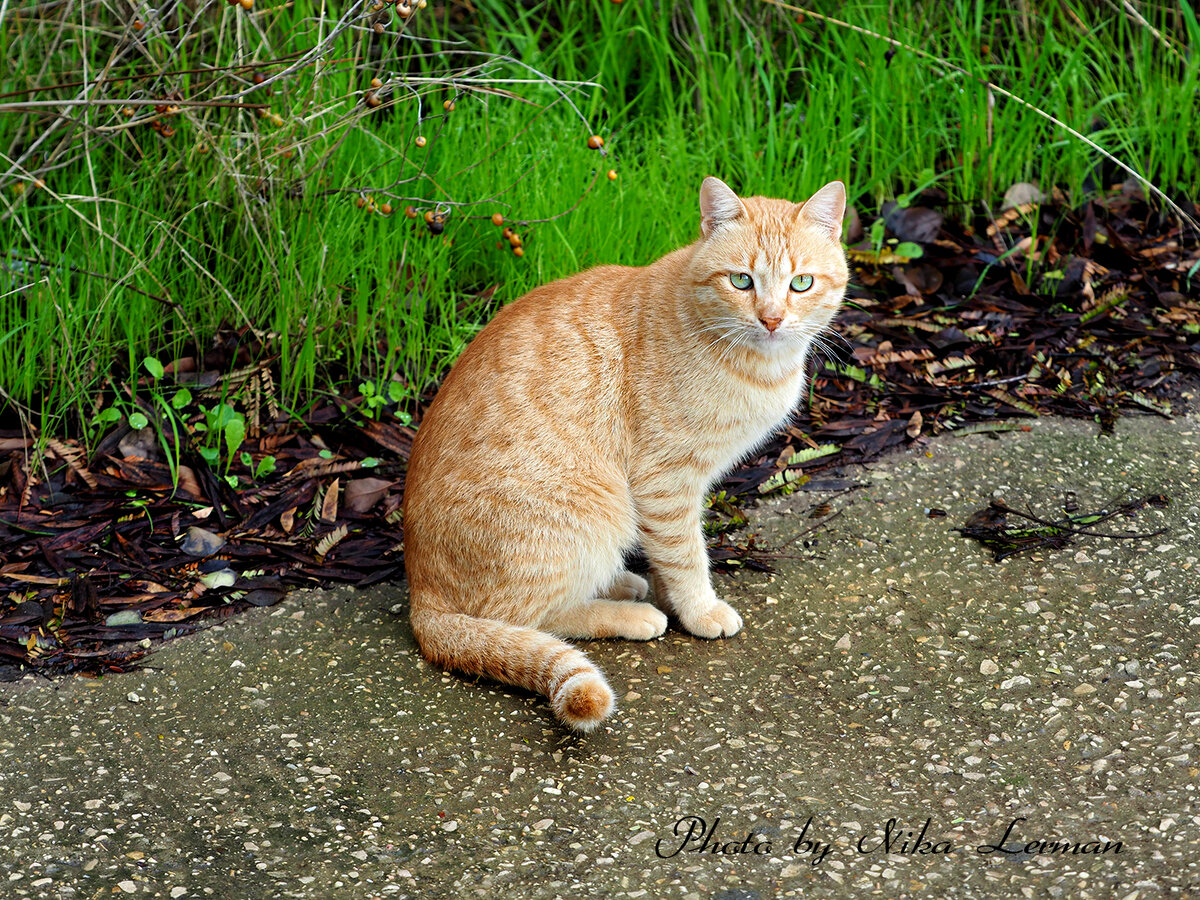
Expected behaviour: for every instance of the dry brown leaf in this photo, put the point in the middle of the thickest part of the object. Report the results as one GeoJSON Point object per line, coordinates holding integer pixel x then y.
{"type": "Point", "coordinates": [329, 503]}
{"type": "Point", "coordinates": [71, 457]}
{"type": "Point", "coordinates": [189, 482]}
{"type": "Point", "coordinates": [914, 425]}
{"type": "Point", "coordinates": [170, 615]}
{"type": "Point", "coordinates": [363, 493]}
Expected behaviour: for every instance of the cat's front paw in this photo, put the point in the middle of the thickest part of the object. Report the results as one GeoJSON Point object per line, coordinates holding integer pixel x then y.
{"type": "Point", "coordinates": [718, 620]}
{"type": "Point", "coordinates": [643, 623]}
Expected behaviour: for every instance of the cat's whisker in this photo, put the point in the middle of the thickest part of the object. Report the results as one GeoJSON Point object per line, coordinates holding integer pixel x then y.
{"type": "Point", "coordinates": [720, 324]}
{"type": "Point", "coordinates": [725, 334]}
{"type": "Point", "coordinates": [829, 332]}
{"type": "Point", "coordinates": [824, 353]}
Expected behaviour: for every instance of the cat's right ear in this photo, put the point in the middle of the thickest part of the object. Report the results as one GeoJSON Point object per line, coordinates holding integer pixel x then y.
{"type": "Point", "coordinates": [718, 205]}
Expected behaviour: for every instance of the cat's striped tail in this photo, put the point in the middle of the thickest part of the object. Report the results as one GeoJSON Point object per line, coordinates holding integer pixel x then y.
{"type": "Point", "coordinates": [524, 657]}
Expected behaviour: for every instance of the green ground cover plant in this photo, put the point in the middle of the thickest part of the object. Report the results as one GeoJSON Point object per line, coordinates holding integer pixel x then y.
{"type": "Point", "coordinates": [168, 171]}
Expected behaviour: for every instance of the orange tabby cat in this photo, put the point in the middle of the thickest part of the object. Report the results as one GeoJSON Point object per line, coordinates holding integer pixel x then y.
{"type": "Point", "coordinates": [591, 416]}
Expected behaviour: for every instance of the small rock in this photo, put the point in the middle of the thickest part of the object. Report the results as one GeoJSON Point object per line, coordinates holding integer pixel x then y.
{"type": "Point", "coordinates": [843, 643]}
{"type": "Point", "coordinates": [452, 825]}
{"type": "Point", "coordinates": [1085, 689]}
{"type": "Point", "coordinates": [177, 892]}
{"type": "Point", "coordinates": [124, 617]}
{"type": "Point", "coordinates": [127, 886]}
{"type": "Point", "coordinates": [988, 667]}
{"type": "Point", "coordinates": [142, 443]}
{"type": "Point", "coordinates": [1016, 681]}
{"type": "Point", "coordinates": [1021, 193]}
{"type": "Point", "coordinates": [200, 542]}
{"type": "Point", "coordinates": [133, 697]}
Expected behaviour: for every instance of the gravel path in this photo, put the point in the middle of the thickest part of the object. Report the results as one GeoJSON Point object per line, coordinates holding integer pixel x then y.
{"type": "Point", "coordinates": [888, 671]}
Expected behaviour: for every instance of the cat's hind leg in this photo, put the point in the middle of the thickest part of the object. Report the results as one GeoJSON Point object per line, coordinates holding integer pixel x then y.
{"type": "Point", "coordinates": [604, 618]}
{"type": "Point", "coordinates": [626, 586]}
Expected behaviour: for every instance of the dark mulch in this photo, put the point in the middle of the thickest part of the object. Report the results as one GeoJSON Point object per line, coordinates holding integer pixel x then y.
{"type": "Point", "coordinates": [1092, 318]}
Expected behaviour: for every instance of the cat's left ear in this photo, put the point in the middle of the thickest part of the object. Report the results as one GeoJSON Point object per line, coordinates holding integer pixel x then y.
{"type": "Point", "coordinates": [718, 205]}
{"type": "Point", "coordinates": [826, 209]}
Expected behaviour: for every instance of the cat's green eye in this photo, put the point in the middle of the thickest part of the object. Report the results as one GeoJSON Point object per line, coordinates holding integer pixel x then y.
{"type": "Point", "coordinates": [741, 281]}
{"type": "Point", "coordinates": [802, 283]}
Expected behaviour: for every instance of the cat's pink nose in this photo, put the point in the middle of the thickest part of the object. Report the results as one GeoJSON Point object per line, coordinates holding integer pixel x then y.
{"type": "Point", "coordinates": [770, 322]}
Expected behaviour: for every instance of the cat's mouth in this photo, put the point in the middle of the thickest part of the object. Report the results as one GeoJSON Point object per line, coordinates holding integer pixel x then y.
{"type": "Point", "coordinates": [772, 337]}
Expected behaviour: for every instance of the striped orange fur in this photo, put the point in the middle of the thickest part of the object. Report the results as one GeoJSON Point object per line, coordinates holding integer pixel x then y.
{"type": "Point", "coordinates": [590, 417]}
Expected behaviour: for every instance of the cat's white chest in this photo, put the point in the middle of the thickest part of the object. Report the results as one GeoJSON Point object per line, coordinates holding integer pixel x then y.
{"type": "Point", "coordinates": [750, 415]}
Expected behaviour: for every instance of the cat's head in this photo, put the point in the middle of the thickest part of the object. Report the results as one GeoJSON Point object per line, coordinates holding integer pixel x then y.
{"type": "Point", "coordinates": [769, 274]}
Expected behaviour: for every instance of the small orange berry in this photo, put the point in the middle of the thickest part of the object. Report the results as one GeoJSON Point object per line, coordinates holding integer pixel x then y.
{"type": "Point", "coordinates": [202, 148]}
{"type": "Point", "coordinates": [612, 174]}
{"type": "Point", "coordinates": [410, 212]}
{"type": "Point", "coordinates": [371, 205]}
{"type": "Point", "coordinates": [378, 28]}
{"type": "Point", "coordinates": [518, 251]}
{"type": "Point", "coordinates": [403, 10]}
{"type": "Point", "coordinates": [371, 100]}
{"type": "Point", "coordinates": [386, 209]}
{"type": "Point", "coordinates": [360, 201]}
{"type": "Point", "coordinates": [506, 233]}
{"type": "Point", "coordinates": [420, 141]}
{"type": "Point", "coordinates": [247, 4]}
{"type": "Point", "coordinates": [129, 113]}
{"type": "Point", "coordinates": [376, 83]}
{"type": "Point", "coordinates": [595, 142]}
{"type": "Point", "coordinates": [499, 245]}
{"type": "Point", "coordinates": [515, 239]}
{"type": "Point", "coordinates": [257, 78]}
{"type": "Point", "coordinates": [421, 4]}
{"type": "Point", "coordinates": [448, 105]}
{"type": "Point", "coordinates": [168, 131]}
{"type": "Point", "coordinates": [497, 219]}
{"type": "Point", "coordinates": [160, 108]}
{"type": "Point", "coordinates": [429, 215]}
{"type": "Point", "coordinates": [39, 183]}
{"type": "Point", "coordinates": [138, 25]}
{"type": "Point", "coordinates": [277, 120]}
{"type": "Point", "coordinates": [287, 154]}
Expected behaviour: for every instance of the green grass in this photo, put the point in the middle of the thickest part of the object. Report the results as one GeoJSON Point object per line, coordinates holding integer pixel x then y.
{"type": "Point", "coordinates": [138, 245]}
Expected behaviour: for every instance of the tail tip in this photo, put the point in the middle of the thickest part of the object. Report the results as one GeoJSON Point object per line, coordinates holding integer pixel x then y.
{"type": "Point", "coordinates": [584, 701]}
